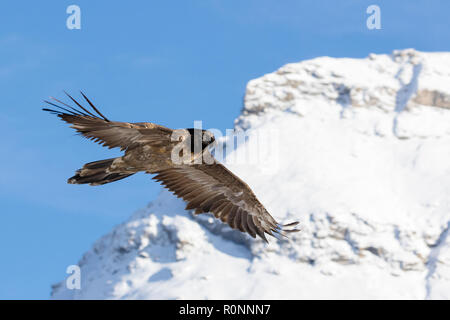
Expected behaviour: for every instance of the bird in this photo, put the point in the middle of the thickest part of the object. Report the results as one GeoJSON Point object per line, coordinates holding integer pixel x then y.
{"type": "Point", "coordinates": [149, 147]}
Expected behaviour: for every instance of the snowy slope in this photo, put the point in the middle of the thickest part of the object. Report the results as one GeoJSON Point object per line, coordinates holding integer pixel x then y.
{"type": "Point", "coordinates": [364, 165]}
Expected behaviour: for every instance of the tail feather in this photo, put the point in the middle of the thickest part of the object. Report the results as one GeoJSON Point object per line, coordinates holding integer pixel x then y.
{"type": "Point", "coordinates": [97, 173]}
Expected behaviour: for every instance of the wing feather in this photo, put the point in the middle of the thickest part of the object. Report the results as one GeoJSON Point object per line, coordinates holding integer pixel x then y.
{"type": "Point", "coordinates": [111, 134]}
{"type": "Point", "coordinates": [213, 188]}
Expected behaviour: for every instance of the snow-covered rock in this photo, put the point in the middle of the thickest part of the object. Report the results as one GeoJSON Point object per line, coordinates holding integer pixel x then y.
{"type": "Point", "coordinates": [364, 165]}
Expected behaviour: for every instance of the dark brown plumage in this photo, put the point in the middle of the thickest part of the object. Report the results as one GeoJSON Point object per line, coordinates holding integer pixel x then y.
{"type": "Point", "coordinates": [148, 147]}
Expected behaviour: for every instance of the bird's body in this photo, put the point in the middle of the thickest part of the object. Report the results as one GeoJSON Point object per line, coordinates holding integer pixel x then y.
{"type": "Point", "coordinates": [151, 148]}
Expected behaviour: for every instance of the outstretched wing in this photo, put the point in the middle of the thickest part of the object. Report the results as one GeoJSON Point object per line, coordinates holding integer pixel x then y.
{"type": "Point", "coordinates": [95, 126]}
{"type": "Point", "coordinates": [213, 188]}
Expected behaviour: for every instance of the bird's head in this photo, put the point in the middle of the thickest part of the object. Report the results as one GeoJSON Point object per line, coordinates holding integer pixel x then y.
{"type": "Point", "coordinates": [202, 137]}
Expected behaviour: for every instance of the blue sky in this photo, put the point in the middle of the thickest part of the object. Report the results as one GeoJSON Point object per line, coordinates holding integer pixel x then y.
{"type": "Point", "coordinates": [170, 62]}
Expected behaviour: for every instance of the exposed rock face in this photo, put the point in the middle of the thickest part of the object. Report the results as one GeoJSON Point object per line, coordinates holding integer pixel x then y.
{"type": "Point", "coordinates": [432, 98]}
{"type": "Point", "coordinates": [364, 164]}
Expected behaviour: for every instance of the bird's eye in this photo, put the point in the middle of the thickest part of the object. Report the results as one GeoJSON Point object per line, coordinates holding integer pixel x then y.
{"type": "Point", "coordinates": [208, 137]}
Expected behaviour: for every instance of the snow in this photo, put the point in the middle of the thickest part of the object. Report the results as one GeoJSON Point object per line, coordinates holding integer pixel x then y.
{"type": "Point", "coordinates": [363, 163]}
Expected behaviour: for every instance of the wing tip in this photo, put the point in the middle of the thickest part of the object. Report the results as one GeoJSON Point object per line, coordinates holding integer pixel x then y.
{"type": "Point", "coordinates": [93, 107]}
{"type": "Point", "coordinates": [73, 111]}
{"type": "Point", "coordinates": [283, 231]}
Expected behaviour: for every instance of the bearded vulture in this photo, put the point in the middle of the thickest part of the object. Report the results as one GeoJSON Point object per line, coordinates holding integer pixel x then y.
{"type": "Point", "coordinates": [206, 187]}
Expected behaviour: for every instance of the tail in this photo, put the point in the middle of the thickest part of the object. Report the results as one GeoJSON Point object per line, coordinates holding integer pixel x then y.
{"type": "Point", "coordinates": [97, 173]}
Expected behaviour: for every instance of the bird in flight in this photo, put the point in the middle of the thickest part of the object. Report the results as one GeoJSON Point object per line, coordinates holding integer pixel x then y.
{"type": "Point", "coordinates": [206, 187]}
